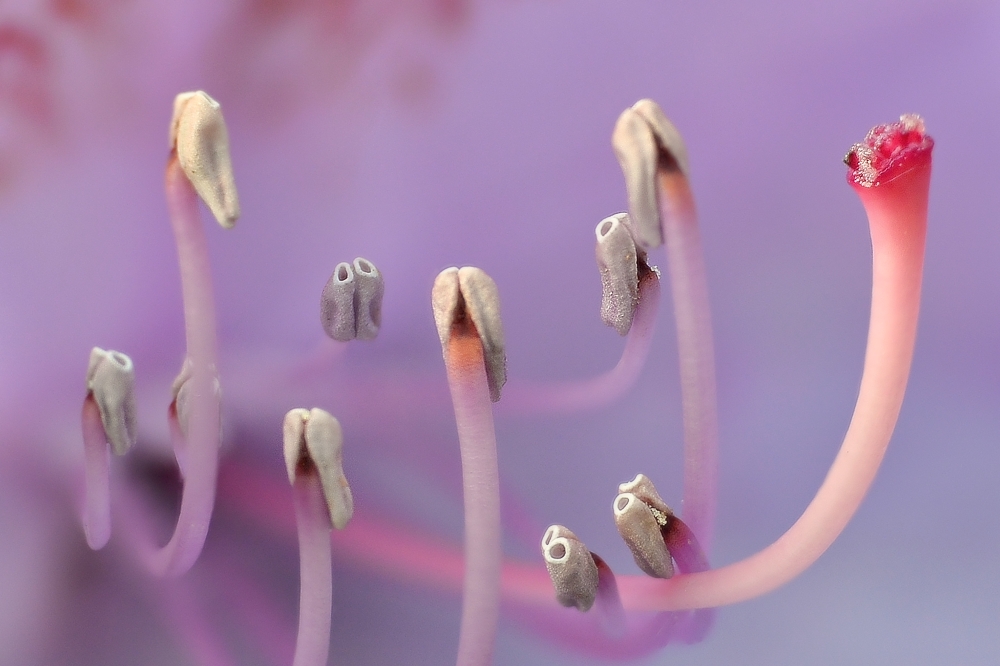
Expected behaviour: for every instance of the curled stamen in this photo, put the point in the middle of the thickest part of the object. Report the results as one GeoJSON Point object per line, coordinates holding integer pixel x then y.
{"type": "Point", "coordinates": [199, 165]}
{"type": "Point", "coordinates": [198, 133]}
{"type": "Point", "coordinates": [313, 445]}
{"type": "Point", "coordinates": [351, 303]}
{"type": "Point", "coordinates": [109, 417]}
{"type": "Point", "coordinates": [467, 314]}
{"type": "Point", "coordinates": [571, 567]}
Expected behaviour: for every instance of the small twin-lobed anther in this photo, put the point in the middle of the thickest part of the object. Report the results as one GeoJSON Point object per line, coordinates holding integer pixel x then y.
{"type": "Point", "coordinates": [351, 303]}
{"type": "Point", "coordinates": [572, 568]}
{"type": "Point", "coordinates": [111, 384]}
{"type": "Point", "coordinates": [646, 143]}
{"type": "Point", "coordinates": [641, 516]}
{"type": "Point", "coordinates": [466, 302]}
{"type": "Point", "coordinates": [621, 264]}
{"type": "Point", "coordinates": [314, 443]}
{"type": "Point", "coordinates": [199, 136]}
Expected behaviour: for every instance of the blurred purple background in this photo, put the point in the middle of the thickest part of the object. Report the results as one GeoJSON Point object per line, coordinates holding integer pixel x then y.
{"type": "Point", "coordinates": [435, 133]}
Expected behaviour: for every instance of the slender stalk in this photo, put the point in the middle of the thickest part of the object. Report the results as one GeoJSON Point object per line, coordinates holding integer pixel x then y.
{"type": "Point", "coordinates": [201, 452]}
{"type": "Point", "coordinates": [188, 619]}
{"type": "Point", "coordinates": [312, 646]}
{"type": "Point", "coordinates": [897, 214]}
{"type": "Point", "coordinates": [474, 417]}
{"type": "Point", "coordinates": [97, 488]}
{"type": "Point", "coordinates": [574, 396]}
{"type": "Point", "coordinates": [689, 286]}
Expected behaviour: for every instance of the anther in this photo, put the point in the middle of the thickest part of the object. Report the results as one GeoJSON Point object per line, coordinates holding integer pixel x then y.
{"type": "Point", "coordinates": [645, 142]}
{"type": "Point", "coordinates": [181, 393]}
{"type": "Point", "coordinates": [571, 567]}
{"type": "Point", "coordinates": [351, 303]}
{"type": "Point", "coordinates": [313, 440]}
{"type": "Point", "coordinates": [619, 262]}
{"type": "Point", "coordinates": [198, 134]}
{"type": "Point", "coordinates": [641, 516]}
{"type": "Point", "coordinates": [111, 382]}
{"type": "Point", "coordinates": [466, 302]}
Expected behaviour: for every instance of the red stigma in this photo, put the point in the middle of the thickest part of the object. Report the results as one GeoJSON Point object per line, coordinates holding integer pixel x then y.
{"type": "Point", "coordinates": [888, 152]}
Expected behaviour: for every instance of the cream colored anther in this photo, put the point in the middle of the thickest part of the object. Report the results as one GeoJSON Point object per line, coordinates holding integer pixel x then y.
{"type": "Point", "coordinates": [645, 141]}
{"type": "Point", "coordinates": [460, 295]}
{"type": "Point", "coordinates": [111, 382]}
{"type": "Point", "coordinates": [313, 439]}
{"type": "Point", "coordinates": [198, 133]}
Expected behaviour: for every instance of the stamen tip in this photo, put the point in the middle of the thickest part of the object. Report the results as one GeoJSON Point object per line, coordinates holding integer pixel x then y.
{"type": "Point", "coordinates": [571, 567]}
{"type": "Point", "coordinates": [313, 441]}
{"type": "Point", "coordinates": [111, 381]}
{"type": "Point", "coordinates": [466, 302]}
{"type": "Point", "coordinates": [199, 136]}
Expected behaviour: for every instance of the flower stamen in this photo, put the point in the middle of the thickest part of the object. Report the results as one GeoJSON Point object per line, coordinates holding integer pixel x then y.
{"type": "Point", "coordinates": [467, 314]}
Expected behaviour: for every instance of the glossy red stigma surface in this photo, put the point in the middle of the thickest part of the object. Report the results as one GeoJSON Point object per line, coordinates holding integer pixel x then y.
{"type": "Point", "coordinates": [888, 152]}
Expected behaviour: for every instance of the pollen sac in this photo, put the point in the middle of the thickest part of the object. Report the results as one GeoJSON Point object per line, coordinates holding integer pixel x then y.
{"type": "Point", "coordinates": [469, 296]}
{"type": "Point", "coordinates": [618, 261]}
{"type": "Point", "coordinates": [111, 382]}
{"type": "Point", "coordinates": [351, 303]}
{"type": "Point", "coordinates": [313, 440]}
{"type": "Point", "coordinates": [641, 515]}
{"type": "Point", "coordinates": [198, 134]}
{"type": "Point", "coordinates": [571, 567]}
{"type": "Point", "coordinates": [181, 391]}
{"type": "Point", "coordinates": [645, 141]}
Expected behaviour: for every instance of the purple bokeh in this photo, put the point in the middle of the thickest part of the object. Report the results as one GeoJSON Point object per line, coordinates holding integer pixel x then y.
{"type": "Point", "coordinates": [426, 137]}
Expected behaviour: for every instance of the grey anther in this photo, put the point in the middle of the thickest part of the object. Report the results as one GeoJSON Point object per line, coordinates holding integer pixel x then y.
{"type": "Point", "coordinates": [618, 263]}
{"type": "Point", "coordinates": [198, 133]}
{"type": "Point", "coordinates": [181, 392]}
{"type": "Point", "coordinates": [351, 303]}
{"type": "Point", "coordinates": [336, 306]}
{"type": "Point", "coordinates": [368, 298]}
{"type": "Point", "coordinates": [111, 382]}
{"type": "Point", "coordinates": [314, 439]}
{"type": "Point", "coordinates": [640, 527]}
{"type": "Point", "coordinates": [644, 489]}
{"type": "Point", "coordinates": [668, 139]}
{"type": "Point", "coordinates": [571, 567]}
{"type": "Point", "coordinates": [645, 142]}
{"type": "Point", "coordinates": [465, 295]}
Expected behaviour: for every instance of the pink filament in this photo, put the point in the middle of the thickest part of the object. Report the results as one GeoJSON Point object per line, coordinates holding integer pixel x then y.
{"type": "Point", "coordinates": [481, 483]}
{"type": "Point", "coordinates": [689, 286]}
{"type": "Point", "coordinates": [97, 488]}
{"type": "Point", "coordinates": [312, 645]}
{"type": "Point", "coordinates": [201, 451]}
{"type": "Point", "coordinates": [574, 396]}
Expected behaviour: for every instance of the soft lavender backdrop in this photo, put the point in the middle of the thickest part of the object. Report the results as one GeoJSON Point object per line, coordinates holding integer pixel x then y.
{"type": "Point", "coordinates": [433, 133]}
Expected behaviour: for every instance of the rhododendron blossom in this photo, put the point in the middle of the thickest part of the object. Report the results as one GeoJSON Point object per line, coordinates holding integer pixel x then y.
{"type": "Point", "coordinates": [305, 356]}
